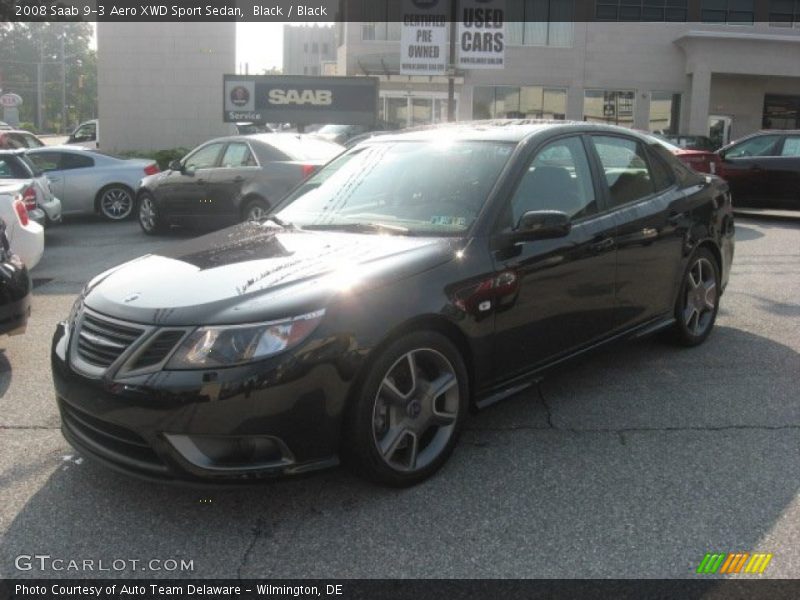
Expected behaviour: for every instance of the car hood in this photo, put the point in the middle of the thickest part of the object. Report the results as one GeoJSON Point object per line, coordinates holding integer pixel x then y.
{"type": "Point", "coordinates": [253, 272]}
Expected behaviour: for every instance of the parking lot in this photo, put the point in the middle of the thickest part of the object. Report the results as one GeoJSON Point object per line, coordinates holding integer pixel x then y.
{"type": "Point", "coordinates": [632, 462]}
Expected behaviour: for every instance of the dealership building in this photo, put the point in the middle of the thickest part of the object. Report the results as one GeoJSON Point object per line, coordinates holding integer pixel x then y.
{"type": "Point", "coordinates": [727, 78]}
{"type": "Point", "coordinates": [160, 84]}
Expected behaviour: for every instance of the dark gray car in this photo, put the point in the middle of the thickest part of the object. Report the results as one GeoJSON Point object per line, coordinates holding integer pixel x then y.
{"type": "Point", "coordinates": [228, 180]}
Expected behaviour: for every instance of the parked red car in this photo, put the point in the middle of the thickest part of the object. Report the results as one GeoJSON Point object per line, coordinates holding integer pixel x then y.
{"type": "Point", "coordinates": [704, 161]}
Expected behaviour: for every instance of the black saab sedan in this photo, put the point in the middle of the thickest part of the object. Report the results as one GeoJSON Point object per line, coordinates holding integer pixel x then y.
{"type": "Point", "coordinates": [228, 180]}
{"type": "Point", "coordinates": [413, 278]}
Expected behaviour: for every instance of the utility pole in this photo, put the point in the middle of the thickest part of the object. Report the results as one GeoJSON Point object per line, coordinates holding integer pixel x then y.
{"type": "Point", "coordinates": [40, 84]}
{"type": "Point", "coordinates": [63, 81]}
{"type": "Point", "coordinates": [451, 71]}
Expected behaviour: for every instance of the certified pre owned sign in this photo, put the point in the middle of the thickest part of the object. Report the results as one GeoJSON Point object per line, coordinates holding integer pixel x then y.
{"type": "Point", "coordinates": [294, 99]}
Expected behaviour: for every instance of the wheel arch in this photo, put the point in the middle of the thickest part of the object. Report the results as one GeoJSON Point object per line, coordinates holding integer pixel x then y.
{"type": "Point", "coordinates": [428, 322]}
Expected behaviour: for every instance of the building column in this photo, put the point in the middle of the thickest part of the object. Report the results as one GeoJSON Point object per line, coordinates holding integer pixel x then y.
{"type": "Point", "coordinates": [699, 101]}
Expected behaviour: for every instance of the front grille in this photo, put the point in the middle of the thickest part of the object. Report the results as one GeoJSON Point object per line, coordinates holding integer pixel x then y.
{"type": "Point", "coordinates": [158, 349]}
{"type": "Point", "coordinates": [102, 341]}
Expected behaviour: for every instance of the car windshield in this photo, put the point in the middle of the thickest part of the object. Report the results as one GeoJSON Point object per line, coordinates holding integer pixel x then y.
{"type": "Point", "coordinates": [413, 187]}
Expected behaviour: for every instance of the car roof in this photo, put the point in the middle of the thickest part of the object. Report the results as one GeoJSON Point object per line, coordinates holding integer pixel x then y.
{"type": "Point", "coordinates": [14, 151]}
{"type": "Point", "coordinates": [500, 130]}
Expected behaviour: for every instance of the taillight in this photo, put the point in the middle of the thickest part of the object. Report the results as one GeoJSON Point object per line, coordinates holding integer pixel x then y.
{"type": "Point", "coordinates": [308, 170]}
{"type": "Point", "coordinates": [151, 169]}
{"type": "Point", "coordinates": [29, 197]}
{"type": "Point", "coordinates": [22, 212]}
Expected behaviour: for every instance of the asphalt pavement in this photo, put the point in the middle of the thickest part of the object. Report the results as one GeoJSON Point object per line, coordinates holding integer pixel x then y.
{"type": "Point", "coordinates": [631, 462]}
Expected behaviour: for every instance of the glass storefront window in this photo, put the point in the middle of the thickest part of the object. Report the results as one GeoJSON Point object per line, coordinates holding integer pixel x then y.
{"type": "Point", "coordinates": [528, 102]}
{"type": "Point", "coordinates": [665, 110]}
{"type": "Point", "coordinates": [608, 106]}
{"type": "Point", "coordinates": [781, 112]}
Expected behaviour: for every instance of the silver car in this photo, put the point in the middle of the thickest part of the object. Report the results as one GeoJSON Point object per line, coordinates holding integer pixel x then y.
{"type": "Point", "coordinates": [91, 182]}
{"type": "Point", "coordinates": [16, 168]}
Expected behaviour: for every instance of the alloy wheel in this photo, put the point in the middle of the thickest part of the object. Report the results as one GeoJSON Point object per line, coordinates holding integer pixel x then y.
{"type": "Point", "coordinates": [700, 299]}
{"type": "Point", "coordinates": [147, 214]}
{"type": "Point", "coordinates": [415, 411]}
{"type": "Point", "coordinates": [116, 204]}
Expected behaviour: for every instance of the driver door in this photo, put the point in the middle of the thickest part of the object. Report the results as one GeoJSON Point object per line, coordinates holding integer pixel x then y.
{"type": "Point", "coordinates": [564, 296]}
{"type": "Point", "coordinates": [184, 194]}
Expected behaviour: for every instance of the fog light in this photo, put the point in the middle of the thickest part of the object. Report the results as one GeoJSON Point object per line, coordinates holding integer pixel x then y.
{"type": "Point", "coordinates": [229, 452]}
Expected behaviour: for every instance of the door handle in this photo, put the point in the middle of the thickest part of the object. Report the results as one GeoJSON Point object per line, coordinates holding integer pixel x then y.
{"type": "Point", "coordinates": [603, 244]}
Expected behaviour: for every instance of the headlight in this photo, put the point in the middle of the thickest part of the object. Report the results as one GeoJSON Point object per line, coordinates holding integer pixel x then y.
{"type": "Point", "coordinates": [76, 307]}
{"type": "Point", "coordinates": [225, 346]}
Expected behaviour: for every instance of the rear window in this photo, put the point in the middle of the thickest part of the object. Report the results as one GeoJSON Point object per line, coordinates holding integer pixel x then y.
{"type": "Point", "coordinates": [304, 148]}
{"type": "Point", "coordinates": [14, 167]}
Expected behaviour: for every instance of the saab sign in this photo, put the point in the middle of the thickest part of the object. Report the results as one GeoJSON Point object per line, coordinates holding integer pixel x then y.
{"type": "Point", "coordinates": [299, 99]}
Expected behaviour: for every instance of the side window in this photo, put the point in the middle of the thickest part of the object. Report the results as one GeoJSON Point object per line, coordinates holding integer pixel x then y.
{"type": "Point", "coordinates": [6, 170]}
{"type": "Point", "coordinates": [762, 145]}
{"type": "Point", "coordinates": [32, 142]}
{"type": "Point", "coordinates": [625, 167]}
{"type": "Point", "coordinates": [76, 161]}
{"type": "Point", "coordinates": [663, 177]}
{"type": "Point", "coordinates": [204, 158]}
{"type": "Point", "coordinates": [558, 178]}
{"type": "Point", "coordinates": [791, 146]}
{"type": "Point", "coordinates": [45, 161]}
{"type": "Point", "coordinates": [86, 133]}
{"type": "Point", "coordinates": [16, 141]}
{"type": "Point", "coordinates": [237, 155]}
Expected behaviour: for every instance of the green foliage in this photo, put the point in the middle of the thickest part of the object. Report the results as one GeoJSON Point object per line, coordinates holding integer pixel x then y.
{"type": "Point", "coordinates": [28, 127]}
{"type": "Point", "coordinates": [24, 46]}
{"type": "Point", "coordinates": [162, 157]}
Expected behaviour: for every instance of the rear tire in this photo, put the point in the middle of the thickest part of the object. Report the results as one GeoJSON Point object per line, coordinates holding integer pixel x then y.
{"type": "Point", "coordinates": [149, 219]}
{"type": "Point", "coordinates": [255, 209]}
{"type": "Point", "coordinates": [698, 300]}
{"type": "Point", "coordinates": [400, 427]}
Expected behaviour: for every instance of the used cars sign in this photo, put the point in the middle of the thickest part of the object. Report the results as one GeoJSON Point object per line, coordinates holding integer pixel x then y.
{"type": "Point", "coordinates": [298, 99]}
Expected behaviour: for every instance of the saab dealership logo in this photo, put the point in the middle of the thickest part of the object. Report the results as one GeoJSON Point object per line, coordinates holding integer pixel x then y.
{"type": "Point", "coordinates": [734, 563]}
{"type": "Point", "coordinates": [240, 96]}
{"type": "Point", "coordinates": [301, 97]}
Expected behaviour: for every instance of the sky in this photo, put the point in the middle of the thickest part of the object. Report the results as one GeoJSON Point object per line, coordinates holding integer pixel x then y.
{"type": "Point", "coordinates": [260, 45]}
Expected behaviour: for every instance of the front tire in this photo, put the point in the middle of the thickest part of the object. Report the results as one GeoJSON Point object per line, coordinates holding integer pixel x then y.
{"type": "Point", "coordinates": [149, 219]}
{"type": "Point", "coordinates": [406, 417]}
{"type": "Point", "coordinates": [115, 202]}
{"type": "Point", "coordinates": [698, 300]}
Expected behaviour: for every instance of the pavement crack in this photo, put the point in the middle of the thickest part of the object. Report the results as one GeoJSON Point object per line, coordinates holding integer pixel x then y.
{"type": "Point", "coordinates": [547, 410]}
{"type": "Point", "coordinates": [257, 531]}
{"type": "Point", "coordinates": [30, 427]}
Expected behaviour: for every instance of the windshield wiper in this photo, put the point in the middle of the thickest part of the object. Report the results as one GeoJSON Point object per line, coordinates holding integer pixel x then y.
{"type": "Point", "coordinates": [361, 228]}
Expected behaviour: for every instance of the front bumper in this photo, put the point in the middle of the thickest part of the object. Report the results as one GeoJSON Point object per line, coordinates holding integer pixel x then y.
{"type": "Point", "coordinates": [277, 417]}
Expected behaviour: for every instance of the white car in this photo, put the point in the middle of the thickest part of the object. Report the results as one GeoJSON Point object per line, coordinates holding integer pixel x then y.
{"type": "Point", "coordinates": [86, 135]}
{"type": "Point", "coordinates": [24, 235]}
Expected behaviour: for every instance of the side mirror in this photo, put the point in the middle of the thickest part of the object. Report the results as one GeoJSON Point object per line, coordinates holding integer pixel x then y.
{"type": "Point", "coordinates": [175, 165]}
{"type": "Point", "coordinates": [541, 224]}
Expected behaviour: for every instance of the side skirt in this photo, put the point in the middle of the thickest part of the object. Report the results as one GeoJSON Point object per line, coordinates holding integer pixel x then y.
{"type": "Point", "coordinates": [521, 382]}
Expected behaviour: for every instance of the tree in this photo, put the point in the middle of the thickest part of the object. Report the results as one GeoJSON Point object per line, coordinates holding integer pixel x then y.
{"type": "Point", "coordinates": [26, 46]}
